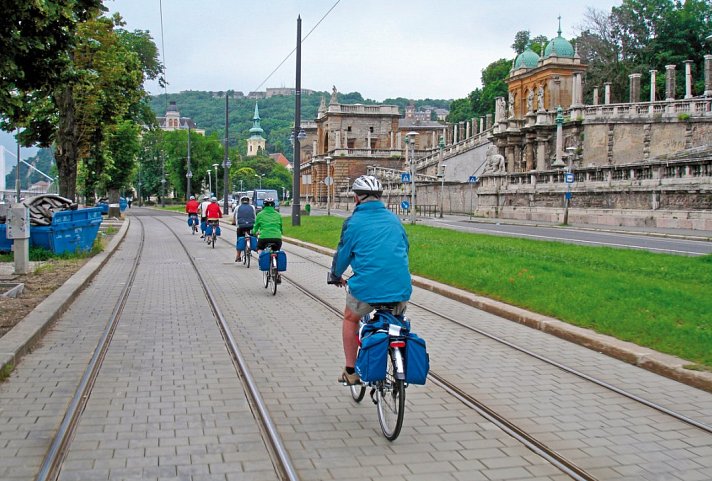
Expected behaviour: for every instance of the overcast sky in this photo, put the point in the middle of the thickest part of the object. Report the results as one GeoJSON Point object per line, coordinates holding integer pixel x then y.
{"type": "Point", "coordinates": [381, 48]}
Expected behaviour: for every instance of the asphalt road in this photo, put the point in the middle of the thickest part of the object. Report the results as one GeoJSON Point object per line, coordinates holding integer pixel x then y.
{"type": "Point", "coordinates": [666, 241]}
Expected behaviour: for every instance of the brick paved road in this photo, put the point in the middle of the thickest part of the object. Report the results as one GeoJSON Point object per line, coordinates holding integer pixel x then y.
{"type": "Point", "coordinates": [168, 405]}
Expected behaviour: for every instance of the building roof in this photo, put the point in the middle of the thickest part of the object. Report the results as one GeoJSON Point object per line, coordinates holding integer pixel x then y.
{"type": "Point", "coordinates": [281, 159]}
{"type": "Point", "coordinates": [559, 46]}
{"type": "Point", "coordinates": [527, 59]}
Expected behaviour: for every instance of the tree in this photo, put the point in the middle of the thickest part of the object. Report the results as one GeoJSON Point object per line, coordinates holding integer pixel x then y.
{"type": "Point", "coordinates": [124, 144]}
{"type": "Point", "coordinates": [35, 43]}
{"type": "Point", "coordinates": [521, 40]}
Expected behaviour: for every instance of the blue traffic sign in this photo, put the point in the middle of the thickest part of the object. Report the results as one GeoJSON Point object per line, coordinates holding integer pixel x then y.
{"type": "Point", "coordinates": [405, 205]}
{"type": "Point", "coordinates": [569, 178]}
{"type": "Point", "coordinates": [568, 195]}
{"type": "Point", "coordinates": [473, 179]}
{"type": "Point", "coordinates": [405, 177]}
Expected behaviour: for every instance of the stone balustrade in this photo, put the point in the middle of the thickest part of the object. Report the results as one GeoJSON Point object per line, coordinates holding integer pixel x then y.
{"type": "Point", "coordinates": [694, 107]}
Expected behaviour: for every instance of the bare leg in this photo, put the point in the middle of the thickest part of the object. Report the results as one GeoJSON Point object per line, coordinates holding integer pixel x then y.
{"type": "Point", "coordinates": [349, 334]}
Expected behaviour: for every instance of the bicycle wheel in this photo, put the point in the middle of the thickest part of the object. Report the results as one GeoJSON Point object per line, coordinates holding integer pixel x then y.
{"type": "Point", "coordinates": [357, 392]}
{"type": "Point", "coordinates": [246, 258]}
{"type": "Point", "coordinates": [213, 237]}
{"type": "Point", "coordinates": [265, 278]}
{"type": "Point", "coordinates": [273, 275]}
{"type": "Point", "coordinates": [390, 401]}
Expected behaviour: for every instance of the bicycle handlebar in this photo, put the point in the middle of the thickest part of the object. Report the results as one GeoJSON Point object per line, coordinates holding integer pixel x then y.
{"type": "Point", "coordinates": [332, 279]}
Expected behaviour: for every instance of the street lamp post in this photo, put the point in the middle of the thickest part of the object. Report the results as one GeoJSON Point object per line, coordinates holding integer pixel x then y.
{"type": "Point", "coordinates": [441, 145]}
{"type": "Point", "coordinates": [410, 153]}
{"type": "Point", "coordinates": [328, 181]}
{"type": "Point", "coordinates": [567, 199]}
{"type": "Point", "coordinates": [242, 189]}
{"type": "Point", "coordinates": [215, 192]}
{"type": "Point", "coordinates": [210, 181]}
{"type": "Point", "coordinates": [188, 173]}
{"type": "Point", "coordinates": [259, 176]}
{"type": "Point", "coordinates": [442, 190]}
{"type": "Point", "coordinates": [163, 180]}
{"type": "Point", "coordinates": [226, 161]}
{"type": "Point", "coordinates": [18, 193]}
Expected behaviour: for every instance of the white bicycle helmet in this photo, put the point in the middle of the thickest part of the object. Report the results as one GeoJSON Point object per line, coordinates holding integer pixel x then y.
{"type": "Point", "coordinates": [269, 201]}
{"type": "Point", "coordinates": [213, 199]}
{"type": "Point", "coordinates": [192, 197]}
{"type": "Point", "coordinates": [367, 185]}
{"type": "Point", "coordinates": [245, 199]}
{"type": "Point", "coordinates": [206, 197]}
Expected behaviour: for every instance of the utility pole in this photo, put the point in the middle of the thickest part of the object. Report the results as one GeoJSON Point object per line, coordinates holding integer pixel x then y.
{"type": "Point", "coordinates": [188, 174]}
{"type": "Point", "coordinates": [296, 220]}
{"type": "Point", "coordinates": [17, 172]}
{"type": "Point", "coordinates": [226, 161]}
{"type": "Point", "coordinates": [163, 180]}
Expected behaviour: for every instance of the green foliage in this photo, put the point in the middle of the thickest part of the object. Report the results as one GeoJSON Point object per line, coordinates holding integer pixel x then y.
{"type": "Point", "coordinates": [480, 102]}
{"type": "Point", "coordinates": [6, 371]}
{"type": "Point", "coordinates": [655, 300]}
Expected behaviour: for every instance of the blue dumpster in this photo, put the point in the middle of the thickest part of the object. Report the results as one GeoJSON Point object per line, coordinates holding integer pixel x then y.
{"type": "Point", "coordinates": [5, 243]}
{"type": "Point", "coordinates": [104, 205]}
{"type": "Point", "coordinates": [70, 231]}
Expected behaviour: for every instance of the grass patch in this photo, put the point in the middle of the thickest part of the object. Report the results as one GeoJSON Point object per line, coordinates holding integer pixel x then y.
{"type": "Point", "coordinates": [6, 371]}
{"type": "Point", "coordinates": [656, 300]}
{"type": "Point", "coordinates": [42, 254]}
{"type": "Point", "coordinates": [174, 208]}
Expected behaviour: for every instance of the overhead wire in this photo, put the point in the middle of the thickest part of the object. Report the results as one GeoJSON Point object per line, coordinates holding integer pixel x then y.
{"type": "Point", "coordinates": [295, 48]}
{"type": "Point", "coordinates": [163, 57]}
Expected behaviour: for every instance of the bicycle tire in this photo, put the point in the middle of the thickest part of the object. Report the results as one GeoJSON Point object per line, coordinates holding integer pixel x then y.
{"type": "Point", "coordinates": [247, 254]}
{"type": "Point", "coordinates": [390, 401]}
{"type": "Point", "coordinates": [357, 392]}
{"type": "Point", "coordinates": [265, 278]}
{"type": "Point", "coordinates": [214, 237]}
{"type": "Point", "coordinates": [274, 275]}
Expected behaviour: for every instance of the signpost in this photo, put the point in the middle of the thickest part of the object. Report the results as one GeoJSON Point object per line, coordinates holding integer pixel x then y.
{"type": "Point", "coordinates": [472, 180]}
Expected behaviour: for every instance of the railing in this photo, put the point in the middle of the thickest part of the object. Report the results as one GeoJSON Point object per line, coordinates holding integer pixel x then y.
{"type": "Point", "coordinates": [629, 174]}
{"type": "Point", "coordinates": [393, 176]}
{"type": "Point", "coordinates": [420, 210]}
{"type": "Point", "coordinates": [699, 106]}
{"type": "Point", "coordinates": [364, 109]}
{"type": "Point", "coordinates": [452, 150]}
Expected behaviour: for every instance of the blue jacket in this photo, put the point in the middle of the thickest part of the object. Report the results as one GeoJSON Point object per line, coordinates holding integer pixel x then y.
{"type": "Point", "coordinates": [245, 215]}
{"type": "Point", "coordinates": [373, 241]}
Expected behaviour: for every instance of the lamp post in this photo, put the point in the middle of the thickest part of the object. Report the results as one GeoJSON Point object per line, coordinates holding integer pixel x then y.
{"type": "Point", "coordinates": [410, 154]}
{"type": "Point", "coordinates": [163, 180]}
{"type": "Point", "coordinates": [442, 190]}
{"type": "Point", "coordinates": [567, 198]}
{"type": "Point", "coordinates": [18, 193]}
{"type": "Point", "coordinates": [242, 189]}
{"type": "Point", "coordinates": [210, 181]}
{"type": "Point", "coordinates": [259, 176]}
{"type": "Point", "coordinates": [188, 173]}
{"type": "Point", "coordinates": [328, 181]}
{"type": "Point", "coordinates": [215, 192]}
{"type": "Point", "coordinates": [226, 160]}
{"type": "Point", "coordinates": [441, 146]}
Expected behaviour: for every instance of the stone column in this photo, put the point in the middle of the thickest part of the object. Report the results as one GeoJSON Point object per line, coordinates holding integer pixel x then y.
{"type": "Point", "coordinates": [392, 134]}
{"type": "Point", "coordinates": [708, 75]}
{"type": "Point", "coordinates": [653, 86]}
{"type": "Point", "coordinates": [688, 79]}
{"type": "Point", "coordinates": [670, 82]}
{"type": "Point", "coordinates": [607, 93]}
{"type": "Point", "coordinates": [488, 121]}
{"type": "Point", "coordinates": [467, 130]}
{"type": "Point", "coordinates": [634, 87]}
{"type": "Point", "coordinates": [576, 91]}
{"type": "Point", "coordinates": [368, 141]}
{"type": "Point", "coordinates": [338, 139]}
{"type": "Point", "coordinates": [455, 128]}
{"type": "Point", "coordinates": [595, 95]}
{"type": "Point", "coordinates": [433, 140]}
{"type": "Point", "coordinates": [482, 124]}
{"type": "Point", "coordinates": [314, 144]}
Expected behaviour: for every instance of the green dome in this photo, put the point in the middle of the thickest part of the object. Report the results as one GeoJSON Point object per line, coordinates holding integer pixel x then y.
{"type": "Point", "coordinates": [527, 59]}
{"type": "Point", "coordinates": [560, 47]}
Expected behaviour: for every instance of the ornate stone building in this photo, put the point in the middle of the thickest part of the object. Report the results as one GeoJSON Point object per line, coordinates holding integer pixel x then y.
{"type": "Point", "coordinates": [256, 142]}
{"type": "Point", "coordinates": [173, 121]}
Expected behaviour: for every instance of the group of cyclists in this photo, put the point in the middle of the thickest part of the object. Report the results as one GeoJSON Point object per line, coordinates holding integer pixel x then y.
{"type": "Point", "coordinates": [267, 224]}
{"type": "Point", "coordinates": [373, 242]}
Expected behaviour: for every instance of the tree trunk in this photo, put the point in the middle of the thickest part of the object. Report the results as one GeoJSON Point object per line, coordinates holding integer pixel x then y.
{"type": "Point", "coordinates": [67, 149]}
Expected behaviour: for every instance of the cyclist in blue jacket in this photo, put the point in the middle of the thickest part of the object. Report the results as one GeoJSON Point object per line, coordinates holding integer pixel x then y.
{"type": "Point", "coordinates": [374, 243]}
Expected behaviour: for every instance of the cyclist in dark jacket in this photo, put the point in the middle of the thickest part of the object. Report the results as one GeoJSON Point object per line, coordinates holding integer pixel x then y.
{"type": "Point", "coordinates": [245, 220]}
{"type": "Point", "coordinates": [374, 243]}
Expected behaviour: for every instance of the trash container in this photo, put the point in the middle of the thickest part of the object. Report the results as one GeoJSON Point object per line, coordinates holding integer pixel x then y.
{"type": "Point", "coordinates": [307, 209]}
{"type": "Point", "coordinates": [70, 231]}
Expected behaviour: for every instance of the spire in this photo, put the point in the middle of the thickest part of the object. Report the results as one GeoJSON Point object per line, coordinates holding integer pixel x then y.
{"type": "Point", "coordinates": [256, 130]}
{"type": "Point", "coordinates": [559, 30]}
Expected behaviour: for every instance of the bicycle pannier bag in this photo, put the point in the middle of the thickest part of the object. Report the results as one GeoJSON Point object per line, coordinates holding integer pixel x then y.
{"type": "Point", "coordinates": [253, 243]}
{"type": "Point", "coordinates": [264, 261]}
{"type": "Point", "coordinates": [281, 261]}
{"type": "Point", "coordinates": [240, 243]}
{"type": "Point", "coordinates": [417, 361]}
{"type": "Point", "coordinates": [372, 357]}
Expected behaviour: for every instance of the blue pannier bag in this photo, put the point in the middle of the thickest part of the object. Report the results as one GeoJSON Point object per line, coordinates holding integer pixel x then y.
{"type": "Point", "coordinates": [372, 357]}
{"type": "Point", "coordinates": [264, 261]}
{"type": "Point", "coordinates": [240, 245]}
{"type": "Point", "coordinates": [253, 243]}
{"type": "Point", "coordinates": [192, 220]}
{"type": "Point", "coordinates": [281, 261]}
{"type": "Point", "coordinates": [417, 361]}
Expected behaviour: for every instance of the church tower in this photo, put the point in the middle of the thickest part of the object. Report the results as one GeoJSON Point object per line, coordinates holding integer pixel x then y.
{"type": "Point", "coordinates": [256, 142]}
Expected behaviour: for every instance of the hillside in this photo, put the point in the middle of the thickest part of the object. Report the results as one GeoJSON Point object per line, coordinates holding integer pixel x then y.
{"type": "Point", "coordinates": [207, 109]}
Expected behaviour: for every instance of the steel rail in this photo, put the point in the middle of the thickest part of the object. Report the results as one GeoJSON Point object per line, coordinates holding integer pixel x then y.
{"type": "Point", "coordinates": [57, 451]}
{"type": "Point", "coordinates": [662, 409]}
{"type": "Point", "coordinates": [284, 466]}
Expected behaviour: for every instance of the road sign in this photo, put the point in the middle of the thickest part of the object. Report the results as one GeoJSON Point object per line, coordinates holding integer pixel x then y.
{"type": "Point", "coordinates": [568, 195]}
{"type": "Point", "coordinates": [328, 180]}
{"type": "Point", "coordinates": [569, 178]}
{"type": "Point", "coordinates": [473, 179]}
{"type": "Point", "coordinates": [405, 177]}
{"type": "Point", "coordinates": [405, 205]}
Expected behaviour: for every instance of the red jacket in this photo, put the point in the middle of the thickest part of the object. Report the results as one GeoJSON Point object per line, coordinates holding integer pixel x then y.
{"type": "Point", "coordinates": [192, 206]}
{"type": "Point", "coordinates": [213, 211]}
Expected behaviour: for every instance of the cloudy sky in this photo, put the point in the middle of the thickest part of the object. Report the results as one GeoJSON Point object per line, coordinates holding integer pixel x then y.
{"type": "Point", "coordinates": [381, 48]}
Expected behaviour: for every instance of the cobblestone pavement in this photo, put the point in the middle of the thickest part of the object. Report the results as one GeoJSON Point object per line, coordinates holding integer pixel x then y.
{"type": "Point", "coordinates": [168, 404]}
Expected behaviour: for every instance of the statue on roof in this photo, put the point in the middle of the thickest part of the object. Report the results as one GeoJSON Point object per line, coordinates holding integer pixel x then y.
{"type": "Point", "coordinates": [511, 105]}
{"type": "Point", "coordinates": [530, 100]}
{"type": "Point", "coordinates": [333, 95]}
{"type": "Point", "coordinates": [540, 97]}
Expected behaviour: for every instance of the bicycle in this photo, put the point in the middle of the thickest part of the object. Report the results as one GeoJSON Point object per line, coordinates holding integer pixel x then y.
{"type": "Point", "coordinates": [213, 224]}
{"type": "Point", "coordinates": [271, 274]}
{"type": "Point", "coordinates": [193, 222]}
{"type": "Point", "coordinates": [388, 393]}
{"type": "Point", "coordinates": [247, 252]}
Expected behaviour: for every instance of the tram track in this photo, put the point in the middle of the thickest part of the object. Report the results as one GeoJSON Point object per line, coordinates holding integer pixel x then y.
{"type": "Point", "coordinates": [61, 443]}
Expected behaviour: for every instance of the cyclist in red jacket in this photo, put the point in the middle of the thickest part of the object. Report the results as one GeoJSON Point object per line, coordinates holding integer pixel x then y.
{"type": "Point", "coordinates": [213, 214]}
{"type": "Point", "coordinates": [191, 208]}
